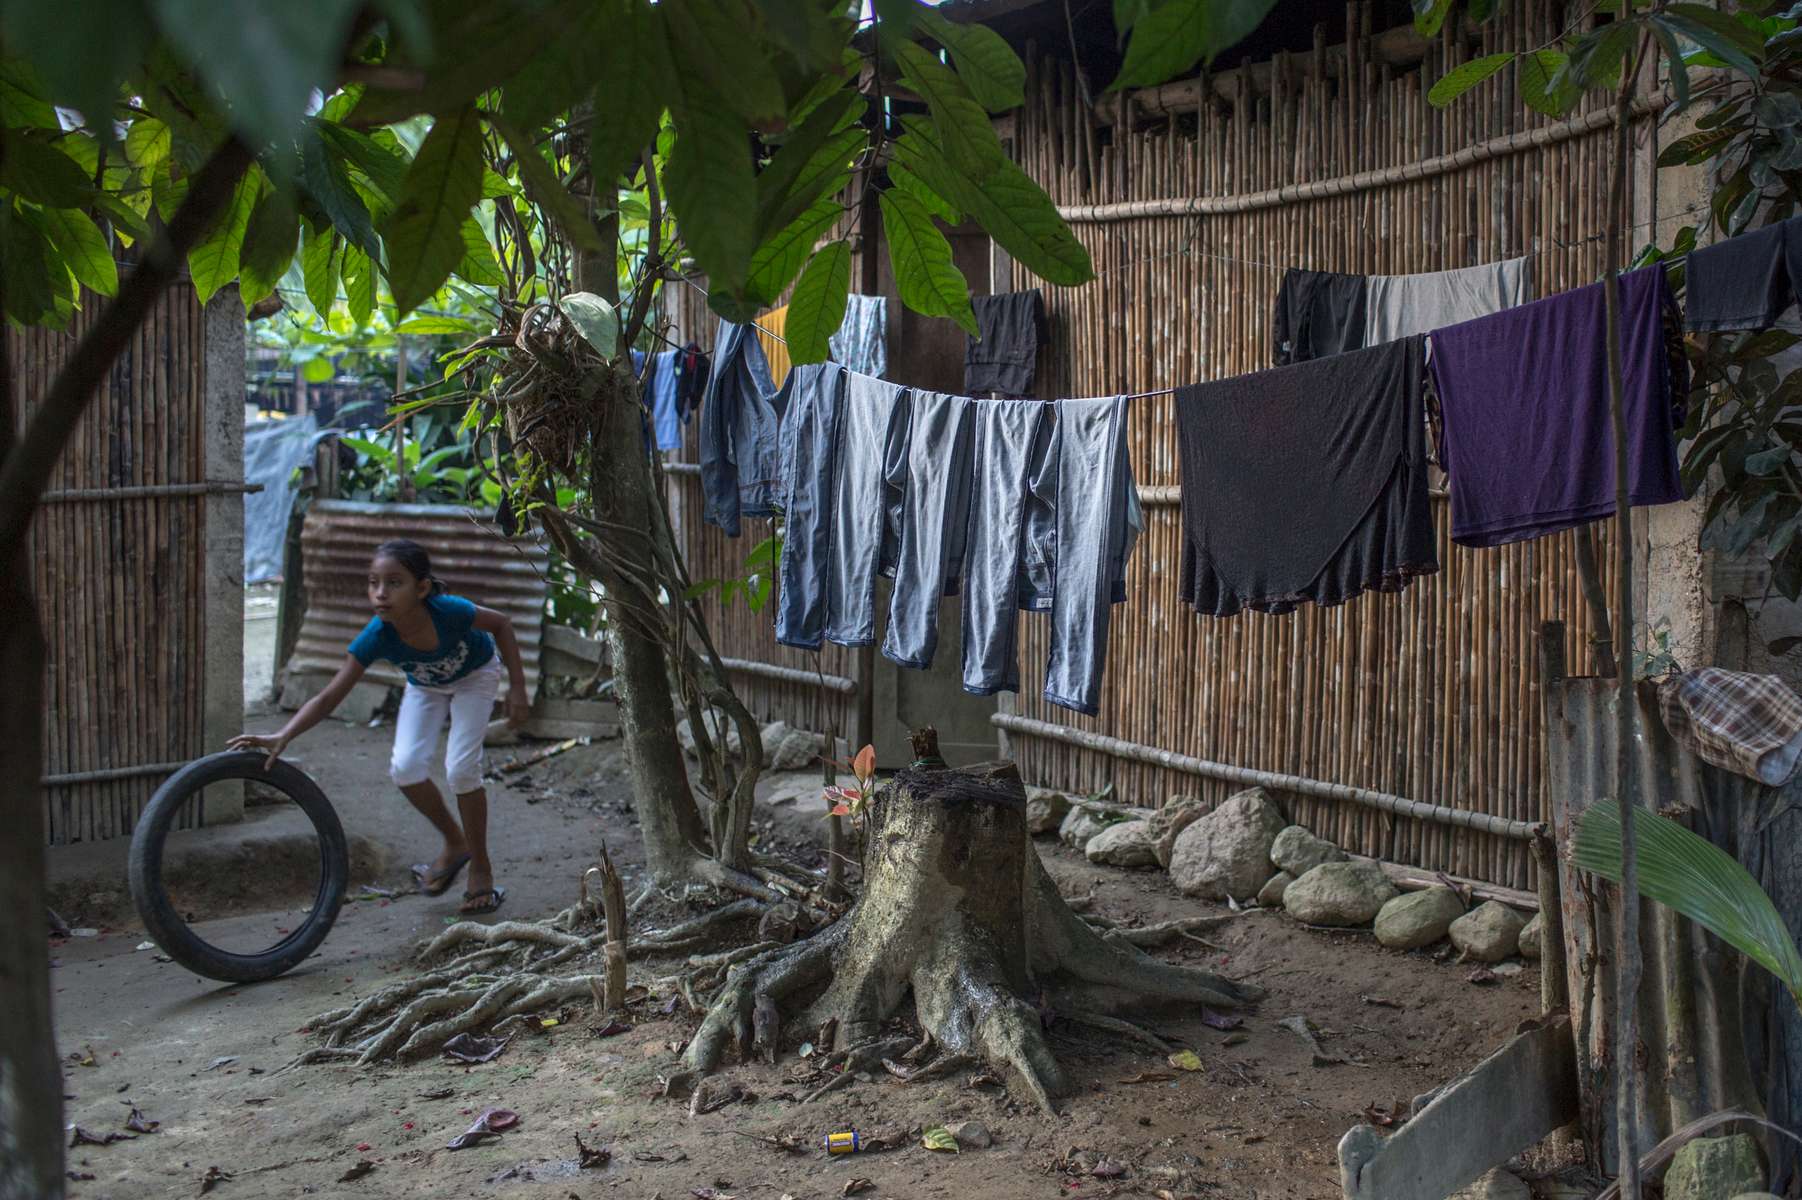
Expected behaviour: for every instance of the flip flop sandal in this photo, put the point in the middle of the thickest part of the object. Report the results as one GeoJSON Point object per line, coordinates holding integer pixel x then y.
{"type": "Point", "coordinates": [430, 884]}
{"type": "Point", "coordinates": [492, 904]}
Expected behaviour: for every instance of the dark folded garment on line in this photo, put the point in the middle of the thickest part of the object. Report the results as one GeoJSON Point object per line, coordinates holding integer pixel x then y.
{"type": "Point", "coordinates": [1744, 282]}
{"type": "Point", "coordinates": [1005, 358]}
{"type": "Point", "coordinates": [1306, 482]}
{"type": "Point", "coordinates": [1319, 314]}
{"type": "Point", "coordinates": [1528, 441]}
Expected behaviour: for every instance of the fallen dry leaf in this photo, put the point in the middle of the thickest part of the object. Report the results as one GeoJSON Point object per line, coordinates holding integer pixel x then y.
{"type": "Point", "coordinates": [491, 1122]}
{"type": "Point", "coordinates": [1107, 1168]}
{"type": "Point", "coordinates": [213, 1178]}
{"type": "Point", "coordinates": [591, 1156]}
{"type": "Point", "coordinates": [1150, 1077]}
{"type": "Point", "coordinates": [357, 1172]}
{"type": "Point", "coordinates": [474, 1048]}
{"type": "Point", "coordinates": [1482, 976]}
{"type": "Point", "coordinates": [1214, 1020]}
{"type": "Point", "coordinates": [939, 1138]}
{"type": "Point", "coordinates": [137, 1122]}
{"type": "Point", "coordinates": [613, 1029]}
{"type": "Point", "coordinates": [1185, 1060]}
{"type": "Point", "coordinates": [438, 1094]}
{"type": "Point", "coordinates": [1252, 1139]}
{"type": "Point", "coordinates": [81, 1137]}
{"type": "Point", "coordinates": [1380, 1002]}
{"type": "Point", "coordinates": [856, 1185]}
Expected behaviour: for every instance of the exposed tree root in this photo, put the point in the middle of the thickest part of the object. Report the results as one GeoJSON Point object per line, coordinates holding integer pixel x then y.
{"type": "Point", "coordinates": [958, 911]}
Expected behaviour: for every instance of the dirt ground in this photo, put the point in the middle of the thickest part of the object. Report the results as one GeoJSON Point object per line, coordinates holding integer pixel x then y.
{"type": "Point", "coordinates": [1258, 1120]}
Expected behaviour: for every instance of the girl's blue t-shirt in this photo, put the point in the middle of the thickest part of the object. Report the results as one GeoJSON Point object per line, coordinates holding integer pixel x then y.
{"type": "Point", "coordinates": [462, 647]}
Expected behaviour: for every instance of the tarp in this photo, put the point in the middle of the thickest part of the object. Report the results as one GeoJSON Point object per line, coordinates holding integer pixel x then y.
{"type": "Point", "coordinates": [272, 451]}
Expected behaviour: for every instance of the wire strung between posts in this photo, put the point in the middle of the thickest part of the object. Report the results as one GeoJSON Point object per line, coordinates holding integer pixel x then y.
{"type": "Point", "coordinates": [754, 325]}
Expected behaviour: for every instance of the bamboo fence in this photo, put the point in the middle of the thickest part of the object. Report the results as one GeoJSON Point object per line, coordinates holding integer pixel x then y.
{"type": "Point", "coordinates": [118, 576]}
{"type": "Point", "coordinates": [1327, 161]}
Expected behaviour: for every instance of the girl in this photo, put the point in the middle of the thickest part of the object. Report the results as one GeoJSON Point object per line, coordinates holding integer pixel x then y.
{"type": "Point", "coordinates": [445, 646]}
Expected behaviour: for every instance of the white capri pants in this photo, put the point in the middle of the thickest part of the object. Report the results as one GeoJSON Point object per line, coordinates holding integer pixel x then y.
{"type": "Point", "coordinates": [469, 702]}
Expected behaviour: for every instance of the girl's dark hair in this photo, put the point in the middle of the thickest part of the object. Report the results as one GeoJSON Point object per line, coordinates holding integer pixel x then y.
{"type": "Point", "coordinates": [412, 557]}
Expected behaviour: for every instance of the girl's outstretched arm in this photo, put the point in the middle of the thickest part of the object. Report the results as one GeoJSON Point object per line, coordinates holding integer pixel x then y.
{"type": "Point", "coordinates": [311, 713]}
{"type": "Point", "coordinates": [499, 624]}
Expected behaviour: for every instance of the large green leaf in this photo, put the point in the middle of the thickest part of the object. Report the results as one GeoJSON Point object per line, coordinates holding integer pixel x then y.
{"type": "Point", "coordinates": [964, 127]}
{"type": "Point", "coordinates": [1538, 69]}
{"type": "Point", "coordinates": [595, 319]}
{"type": "Point", "coordinates": [817, 308]}
{"type": "Point", "coordinates": [544, 189]}
{"type": "Point", "coordinates": [1689, 873]}
{"type": "Point", "coordinates": [319, 262]}
{"type": "Point", "coordinates": [985, 62]}
{"type": "Point", "coordinates": [40, 172]}
{"type": "Point", "coordinates": [1718, 33]}
{"type": "Point", "coordinates": [83, 249]}
{"type": "Point", "coordinates": [478, 265]}
{"type": "Point", "coordinates": [358, 271]}
{"type": "Point", "coordinates": [816, 152]}
{"type": "Point", "coordinates": [475, 46]}
{"type": "Point", "coordinates": [425, 233]}
{"type": "Point", "coordinates": [1462, 78]}
{"type": "Point", "coordinates": [1176, 34]}
{"type": "Point", "coordinates": [1430, 15]}
{"type": "Point", "coordinates": [270, 241]}
{"type": "Point", "coordinates": [903, 177]}
{"type": "Point", "coordinates": [712, 186]}
{"type": "Point", "coordinates": [81, 52]}
{"type": "Point", "coordinates": [633, 88]}
{"type": "Point", "coordinates": [147, 142]}
{"type": "Point", "coordinates": [813, 33]}
{"type": "Point", "coordinates": [926, 277]}
{"type": "Point", "coordinates": [265, 58]}
{"type": "Point", "coordinates": [561, 74]}
{"type": "Point", "coordinates": [213, 262]}
{"type": "Point", "coordinates": [776, 261]}
{"type": "Point", "coordinates": [1013, 209]}
{"type": "Point", "coordinates": [24, 102]}
{"type": "Point", "coordinates": [720, 42]}
{"type": "Point", "coordinates": [327, 181]}
{"type": "Point", "coordinates": [30, 273]}
{"type": "Point", "coordinates": [384, 166]}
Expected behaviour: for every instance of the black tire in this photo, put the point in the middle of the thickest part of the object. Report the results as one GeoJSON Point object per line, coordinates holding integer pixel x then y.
{"type": "Point", "coordinates": [166, 926]}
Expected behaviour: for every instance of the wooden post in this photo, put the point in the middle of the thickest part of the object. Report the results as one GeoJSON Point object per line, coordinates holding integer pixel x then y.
{"type": "Point", "coordinates": [1554, 987]}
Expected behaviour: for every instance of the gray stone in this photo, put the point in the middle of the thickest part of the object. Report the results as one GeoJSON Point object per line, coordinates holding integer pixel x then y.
{"type": "Point", "coordinates": [1083, 822]}
{"type": "Point", "coordinates": [1418, 918]}
{"type": "Point", "coordinates": [1339, 893]}
{"type": "Point", "coordinates": [1494, 1185]}
{"type": "Point", "coordinates": [1489, 932]}
{"type": "Point", "coordinates": [1297, 851]}
{"type": "Point", "coordinates": [1271, 894]}
{"type": "Point", "coordinates": [685, 735]}
{"type": "Point", "coordinates": [1529, 937]}
{"type": "Point", "coordinates": [1123, 844]}
{"type": "Point", "coordinates": [1178, 813]}
{"type": "Point", "coordinates": [1227, 852]}
{"type": "Point", "coordinates": [1715, 1169]}
{"type": "Point", "coordinates": [1757, 1196]}
{"type": "Point", "coordinates": [971, 1135]}
{"type": "Point", "coordinates": [1045, 810]}
{"type": "Point", "coordinates": [788, 749]}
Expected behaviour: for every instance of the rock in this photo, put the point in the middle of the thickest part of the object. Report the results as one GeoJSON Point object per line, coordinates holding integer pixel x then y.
{"type": "Point", "coordinates": [1418, 918]}
{"type": "Point", "coordinates": [1271, 894]}
{"type": "Point", "coordinates": [1082, 823]}
{"type": "Point", "coordinates": [1123, 844]}
{"type": "Point", "coordinates": [1178, 813]}
{"type": "Point", "coordinates": [1045, 810]}
{"type": "Point", "coordinates": [1297, 851]}
{"type": "Point", "coordinates": [1529, 937]}
{"type": "Point", "coordinates": [1227, 852]}
{"type": "Point", "coordinates": [971, 1135]}
{"type": "Point", "coordinates": [1757, 1196]}
{"type": "Point", "coordinates": [1489, 932]}
{"type": "Point", "coordinates": [1339, 893]}
{"type": "Point", "coordinates": [685, 735]}
{"type": "Point", "coordinates": [1715, 1169]}
{"type": "Point", "coordinates": [1495, 1185]}
{"type": "Point", "coordinates": [788, 749]}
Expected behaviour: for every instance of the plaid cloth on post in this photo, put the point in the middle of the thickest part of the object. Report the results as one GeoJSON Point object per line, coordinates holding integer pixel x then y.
{"type": "Point", "coordinates": [1748, 724]}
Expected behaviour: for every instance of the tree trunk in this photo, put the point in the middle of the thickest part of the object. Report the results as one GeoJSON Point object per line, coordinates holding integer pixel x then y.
{"type": "Point", "coordinates": [31, 1084]}
{"type": "Point", "coordinates": [956, 909]}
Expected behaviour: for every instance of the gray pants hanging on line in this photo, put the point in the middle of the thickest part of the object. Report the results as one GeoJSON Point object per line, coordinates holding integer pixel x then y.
{"type": "Point", "coordinates": [872, 439]}
{"type": "Point", "coordinates": [1098, 522]}
{"type": "Point", "coordinates": [809, 448]}
{"type": "Point", "coordinates": [1011, 537]}
{"type": "Point", "coordinates": [934, 475]}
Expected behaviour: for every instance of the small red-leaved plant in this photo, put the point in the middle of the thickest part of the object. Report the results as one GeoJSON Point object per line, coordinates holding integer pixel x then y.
{"type": "Point", "coordinates": [848, 801]}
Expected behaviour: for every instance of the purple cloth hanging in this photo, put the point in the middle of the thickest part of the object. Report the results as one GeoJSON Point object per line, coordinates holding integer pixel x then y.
{"type": "Point", "coordinates": [1523, 396]}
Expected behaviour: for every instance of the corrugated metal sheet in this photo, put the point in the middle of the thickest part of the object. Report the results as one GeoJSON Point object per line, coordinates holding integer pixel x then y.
{"type": "Point", "coordinates": [469, 553]}
{"type": "Point", "coordinates": [1690, 1048]}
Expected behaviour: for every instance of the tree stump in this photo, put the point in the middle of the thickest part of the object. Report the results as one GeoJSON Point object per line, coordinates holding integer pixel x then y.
{"type": "Point", "coordinates": [958, 911]}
